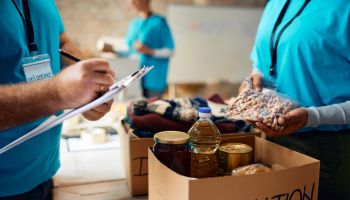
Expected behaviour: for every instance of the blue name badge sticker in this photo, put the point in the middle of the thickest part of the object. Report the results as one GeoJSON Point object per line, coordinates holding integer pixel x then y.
{"type": "Point", "coordinates": [37, 68]}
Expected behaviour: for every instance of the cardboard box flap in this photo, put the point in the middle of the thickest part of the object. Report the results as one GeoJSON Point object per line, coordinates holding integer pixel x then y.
{"type": "Point", "coordinates": [132, 135]}
{"type": "Point", "coordinates": [271, 153]}
{"type": "Point", "coordinates": [161, 182]}
{"type": "Point", "coordinates": [134, 153]}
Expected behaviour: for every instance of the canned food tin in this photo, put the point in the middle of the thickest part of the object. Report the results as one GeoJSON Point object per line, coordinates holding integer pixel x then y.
{"type": "Point", "coordinates": [233, 155]}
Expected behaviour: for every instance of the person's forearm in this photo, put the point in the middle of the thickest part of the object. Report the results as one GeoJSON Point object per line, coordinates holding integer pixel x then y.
{"type": "Point", "coordinates": [337, 114]}
{"type": "Point", "coordinates": [67, 45]}
{"type": "Point", "coordinates": [27, 102]}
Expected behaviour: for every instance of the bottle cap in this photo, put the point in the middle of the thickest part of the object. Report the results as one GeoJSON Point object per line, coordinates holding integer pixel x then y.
{"type": "Point", "coordinates": [204, 112]}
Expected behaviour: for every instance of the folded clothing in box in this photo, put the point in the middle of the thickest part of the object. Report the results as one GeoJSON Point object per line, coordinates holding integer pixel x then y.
{"type": "Point", "coordinates": [150, 116]}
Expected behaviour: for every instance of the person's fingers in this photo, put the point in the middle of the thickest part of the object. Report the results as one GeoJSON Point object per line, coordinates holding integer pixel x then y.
{"type": "Point", "coordinates": [104, 108]}
{"type": "Point", "coordinates": [298, 116]}
{"type": "Point", "coordinates": [109, 103]}
{"type": "Point", "coordinates": [243, 85]}
{"type": "Point", "coordinates": [101, 82]}
{"type": "Point", "coordinates": [103, 78]}
{"type": "Point", "coordinates": [283, 120]}
{"type": "Point", "coordinates": [266, 129]}
{"type": "Point", "coordinates": [99, 88]}
{"type": "Point", "coordinates": [99, 65]}
{"type": "Point", "coordinates": [256, 82]}
{"type": "Point", "coordinates": [93, 114]}
{"type": "Point", "coordinates": [250, 121]}
{"type": "Point", "coordinates": [294, 119]}
{"type": "Point", "coordinates": [262, 127]}
{"type": "Point", "coordinates": [88, 116]}
{"type": "Point", "coordinates": [98, 112]}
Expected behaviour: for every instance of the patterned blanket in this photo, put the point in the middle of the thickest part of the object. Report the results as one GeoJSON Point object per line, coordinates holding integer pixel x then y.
{"type": "Point", "coordinates": [181, 109]}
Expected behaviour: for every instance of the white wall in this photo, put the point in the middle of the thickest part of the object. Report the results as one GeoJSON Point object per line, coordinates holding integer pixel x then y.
{"type": "Point", "coordinates": [212, 43]}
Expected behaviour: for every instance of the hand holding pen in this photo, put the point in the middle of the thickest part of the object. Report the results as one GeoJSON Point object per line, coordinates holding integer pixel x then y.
{"type": "Point", "coordinates": [83, 82]}
{"type": "Point", "coordinates": [115, 85]}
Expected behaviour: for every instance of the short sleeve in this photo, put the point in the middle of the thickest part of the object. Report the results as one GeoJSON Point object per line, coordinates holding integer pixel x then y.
{"type": "Point", "coordinates": [167, 36]}
{"type": "Point", "coordinates": [61, 24]}
{"type": "Point", "coordinates": [129, 37]}
{"type": "Point", "coordinates": [60, 21]}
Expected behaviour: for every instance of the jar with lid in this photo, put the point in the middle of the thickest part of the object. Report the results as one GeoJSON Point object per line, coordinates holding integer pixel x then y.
{"type": "Point", "coordinates": [173, 150]}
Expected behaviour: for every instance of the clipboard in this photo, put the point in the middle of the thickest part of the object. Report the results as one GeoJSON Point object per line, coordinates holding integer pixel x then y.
{"type": "Point", "coordinates": [55, 120]}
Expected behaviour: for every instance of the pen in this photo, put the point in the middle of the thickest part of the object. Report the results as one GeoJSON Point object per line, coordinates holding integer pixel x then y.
{"type": "Point", "coordinates": [67, 55]}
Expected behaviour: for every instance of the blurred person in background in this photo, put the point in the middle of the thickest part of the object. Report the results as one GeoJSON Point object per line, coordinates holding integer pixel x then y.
{"type": "Point", "coordinates": [150, 37]}
{"type": "Point", "coordinates": [36, 83]}
{"type": "Point", "coordinates": [303, 47]}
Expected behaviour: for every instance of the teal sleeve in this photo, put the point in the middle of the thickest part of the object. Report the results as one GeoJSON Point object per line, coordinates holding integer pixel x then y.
{"type": "Point", "coordinates": [61, 26]}
{"type": "Point", "coordinates": [130, 36]}
{"type": "Point", "coordinates": [147, 32]}
{"type": "Point", "coordinates": [167, 37]}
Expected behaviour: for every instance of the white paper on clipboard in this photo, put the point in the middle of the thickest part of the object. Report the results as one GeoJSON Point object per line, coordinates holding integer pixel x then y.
{"type": "Point", "coordinates": [54, 120]}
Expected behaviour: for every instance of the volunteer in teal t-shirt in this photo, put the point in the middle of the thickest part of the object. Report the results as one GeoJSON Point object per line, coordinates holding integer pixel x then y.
{"type": "Point", "coordinates": [303, 47]}
{"type": "Point", "coordinates": [29, 29]}
{"type": "Point", "coordinates": [149, 36]}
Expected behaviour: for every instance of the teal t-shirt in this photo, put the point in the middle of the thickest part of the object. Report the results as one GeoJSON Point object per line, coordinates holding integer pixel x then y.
{"type": "Point", "coordinates": [37, 160]}
{"type": "Point", "coordinates": [313, 55]}
{"type": "Point", "coordinates": [155, 33]}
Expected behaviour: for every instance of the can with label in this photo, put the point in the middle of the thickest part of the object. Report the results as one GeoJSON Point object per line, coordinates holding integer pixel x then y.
{"type": "Point", "coordinates": [233, 155]}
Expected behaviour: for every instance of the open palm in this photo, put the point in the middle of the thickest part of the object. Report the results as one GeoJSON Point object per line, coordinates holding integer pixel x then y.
{"type": "Point", "coordinates": [291, 122]}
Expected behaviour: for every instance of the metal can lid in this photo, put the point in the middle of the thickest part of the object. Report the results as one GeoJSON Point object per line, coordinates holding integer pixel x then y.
{"type": "Point", "coordinates": [171, 137]}
{"type": "Point", "coordinates": [235, 148]}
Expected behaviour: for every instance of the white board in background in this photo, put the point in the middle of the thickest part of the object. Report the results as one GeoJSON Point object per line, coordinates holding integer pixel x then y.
{"type": "Point", "coordinates": [212, 43]}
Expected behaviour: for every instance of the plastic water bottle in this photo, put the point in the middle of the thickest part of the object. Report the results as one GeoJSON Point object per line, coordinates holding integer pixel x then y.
{"type": "Point", "coordinates": [204, 141]}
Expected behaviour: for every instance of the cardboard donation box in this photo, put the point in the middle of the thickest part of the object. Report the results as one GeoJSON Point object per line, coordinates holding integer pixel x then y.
{"type": "Point", "coordinates": [134, 154]}
{"type": "Point", "coordinates": [296, 177]}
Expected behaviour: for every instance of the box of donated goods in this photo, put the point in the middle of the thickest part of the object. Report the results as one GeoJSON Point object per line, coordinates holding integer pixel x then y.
{"type": "Point", "coordinates": [293, 176]}
{"type": "Point", "coordinates": [134, 152]}
{"type": "Point", "coordinates": [134, 156]}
